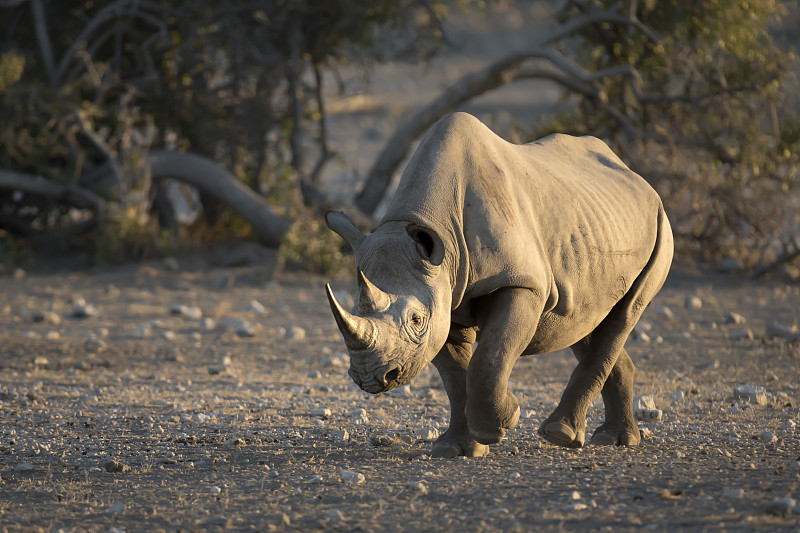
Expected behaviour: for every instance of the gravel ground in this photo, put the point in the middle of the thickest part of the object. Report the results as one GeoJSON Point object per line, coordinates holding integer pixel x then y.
{"type": "Point", "coordinates": [158, 398]}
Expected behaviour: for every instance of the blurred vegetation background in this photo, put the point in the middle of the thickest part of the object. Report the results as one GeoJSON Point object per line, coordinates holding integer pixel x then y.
{"type": "Point", "coordinates": [133, 129]}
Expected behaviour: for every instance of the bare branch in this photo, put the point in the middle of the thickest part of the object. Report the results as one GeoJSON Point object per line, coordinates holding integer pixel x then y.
{"type": "Point", "coordinates": [495, 75]}
{"type": "Point", "coordinates": [69, 194]}
{"type": "Point", "coordinates": [11, 4]}
{"type": "Point", "coordinates": [43, 39]}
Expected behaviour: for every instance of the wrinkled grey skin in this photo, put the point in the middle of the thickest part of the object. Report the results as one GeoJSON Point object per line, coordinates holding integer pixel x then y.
{"type": "Point", "coordinates": [527, 249]}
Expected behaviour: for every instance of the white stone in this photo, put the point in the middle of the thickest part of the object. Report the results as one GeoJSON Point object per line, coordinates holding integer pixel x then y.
{"type": "Point", "coordinates": [776, 329]}
{"type": "Point", "coordinates": [341, 434]}
{"type": "Point", "coordinates": [665, 311]}
{"type": "Point", "coordinates": [578, 506]}
{"type": "Point", "coordinates": [355, 478]}
{"type": "Point", "coordinates": [215, 490]}
{"type": "Point", "coordinates": [321, 411]}
{"type": "Point", "coordinates": [768, 437]}
{"type": "Point", "coordinates": [782, 506]}
{"type": "Point", "coordinates": [296, 333]}
{"type": "Point", "coordinates": [358, 412]}
{"type": "Point", "coordinates": [428, 434]}
{"type": "Point", "coordinates": [741, 334]}
{"type": "Point", "coordinates": [692, 302]}
{"type": "Point", "coordinates": [733, 494]}
{"type": "Point", "coordinates": [644, 402]}
{"type": "Point", "coordinates": [256, 307]}
{"type": "Point", "coordinates": [515, 475]}
{"type": "Point", "coordinates": [418, 486]}
{"type": "Point", "coordinates": [336, 515]}
{"type": "Point", "coordinates": [23, 467]}
{"type": "Point", "coordinates": [678, 395]}
{"type": "Point", "coordinates": [116, 508]}
{"type": "Point", "coordinates": [752, 393]}
{"type": "Point", "coordinates": [735, 318]}
{"type": "Point", "coordinates": [52, 336]}
{"type": "Point", "coordinates": [574, 495]}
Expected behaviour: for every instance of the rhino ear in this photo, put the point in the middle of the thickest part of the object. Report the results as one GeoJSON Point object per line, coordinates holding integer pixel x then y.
{"type": "Point", "coordinates": [341, 224]}
{"type": "Point", "coordinates": [429, 245]}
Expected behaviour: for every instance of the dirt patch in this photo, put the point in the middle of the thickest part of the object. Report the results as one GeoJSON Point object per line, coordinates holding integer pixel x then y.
{"type": "Point", "coordinates": [147, 416]}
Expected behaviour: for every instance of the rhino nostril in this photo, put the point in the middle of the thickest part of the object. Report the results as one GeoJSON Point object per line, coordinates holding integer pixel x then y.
{"type": "Point", "coordinates": [391, 376]}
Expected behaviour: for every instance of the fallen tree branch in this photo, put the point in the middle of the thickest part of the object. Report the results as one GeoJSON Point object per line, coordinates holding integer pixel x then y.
{"type": "Point", "coordinates": [215, 181]}
{"type": "Point", "coordinates": [66, 193]}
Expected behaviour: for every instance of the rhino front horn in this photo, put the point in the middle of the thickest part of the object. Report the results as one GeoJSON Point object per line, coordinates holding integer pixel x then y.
{"type": "Point", "coordinates": [357, 331]}
{"type": "Point", "coordinates": [370, 298]}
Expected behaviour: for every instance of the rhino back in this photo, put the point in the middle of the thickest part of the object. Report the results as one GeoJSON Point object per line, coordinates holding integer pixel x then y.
{"type": "Point", "coordinates": [562, 216]}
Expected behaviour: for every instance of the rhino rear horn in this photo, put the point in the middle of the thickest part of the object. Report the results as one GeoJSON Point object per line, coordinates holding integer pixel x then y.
{"type": "Point", "coordinates": [342, 225]}
{"type": "Point", "coordinates": [370, 298]}
{"type": "Point", "coordinates": [357, 331]}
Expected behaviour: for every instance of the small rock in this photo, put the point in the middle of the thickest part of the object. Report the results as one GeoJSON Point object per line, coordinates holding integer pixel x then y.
{"type": "Point", "coordinates": [316, 479]}
{"type": "Point", "coordinates": [296, 333]}
{"type": "Point", "coordinates": [234, 442]}
{"type": "Point", "coordinates": [215, 490]}
{"type": "Point", "coordinates": [741, 334]}
{"type": "Point", "coordinates": [170, 263]}
{"type": "Point", "coordinates": [776, 329]}
{"type": "Point", "coordinates": [256, 307]}
{"type": "Point", "coordinates": [643, 402]}
{"type": "Point", "coordinates": [23, 467]}
{"type": "Point", "coordinates": [428, 434]}
{"type": "Point", "coordinates": [578, 506]}
{"type": "Point", "coordinates": [418, 486]}
{"type": "Point", "coordinates": [515, 475]}
{"type": "Point", "coordinates": [678, 395]}
{"type": "Point", "coordinates": [781, 507]}
{"type": "Point", "coordinates": [141, 332]}
{"type": "Point", "coordinates": [645, 433]}
{"type": "Point", "coordinates": [18, 274]}
{"type": "Point", "coordinates": [116, 508]}
{"type": "Point", "coordinates": [692, 302]}
{"type": "Point", "coordinates": [336, 515]}
{"type": "Point", "coordinates": [358, 412]}
{"type": "Point", "coordinates": [404, 390]}
{"type": "Point", "coordinates": [314, 374]}
{"type": "Point", "coordinates": [116, 467]}
{"type": "Point", "coordinates": [218, 369]}
{"type": "Point", "coordinates": [735, 318]}
{"type": "Point", "coordinates": [84, 311]}
{"type": "Point", "coordinates": [40, 360]}
{"type": "Point", "coordinates": [575, 495]}
{"type": "Point", "coordinates": [640, 336]}
{"type": "Point", "coordinates": [46, 317]}
{"type": "Point", "coordinates": [52, 336]}
{"type": "Point", "coordinates": [95, 346]}
{"type": "Point", "coordinates": [768, 437]}
{"type": "Point", "coordinates": [241, 327]}
{"type": "Point", "coordinates": [666, 312]}
{"type": "Point", "coordinates": [730, 264]}
{"type": "Point", "coordinates": [340, 434]}
{"type": "Point", "coordinates": [497, 511]}
{"type": "Point", "coordinates": [382, 440]}
{"type": "Point", "coordinates": [649, 414]}
{"type": "Point", "coordinates": [752, 393]}
{"type": "Point", "coordinates": [321, 411]}
{"type": "Point", "coordinates": [355, 478]}
{"type": "Point", "coordinates": [733, 494]}
{"type": "Point", "coordinates": [207, 324]}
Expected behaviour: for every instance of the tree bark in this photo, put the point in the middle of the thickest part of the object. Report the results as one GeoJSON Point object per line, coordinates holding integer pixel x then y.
{"type": "Point", "coordinates": [211, 179]}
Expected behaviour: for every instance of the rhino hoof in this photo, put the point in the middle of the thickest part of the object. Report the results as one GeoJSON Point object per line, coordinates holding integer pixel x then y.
{"type": "Point", "coordinates": [610, 437]}
{"type": "Point", "coordinates": [562, 434]}
{"type": "Point", "coordinates": [452, 449]}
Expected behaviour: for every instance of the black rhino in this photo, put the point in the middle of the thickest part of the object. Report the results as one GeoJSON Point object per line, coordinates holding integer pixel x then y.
{"type": "Point", "coordinates": [525, 248]}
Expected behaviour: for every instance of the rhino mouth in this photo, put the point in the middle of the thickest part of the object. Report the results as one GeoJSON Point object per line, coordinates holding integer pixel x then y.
{"type": "Point", "coordinates": [385, 378]}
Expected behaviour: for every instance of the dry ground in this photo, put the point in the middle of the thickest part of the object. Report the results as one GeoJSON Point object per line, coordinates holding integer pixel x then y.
{"type": "Point", "coordinates": [193, 427]}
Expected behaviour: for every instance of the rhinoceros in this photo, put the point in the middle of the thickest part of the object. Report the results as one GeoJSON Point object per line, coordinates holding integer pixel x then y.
{"type": "Point", "coordinates": [526, 249]}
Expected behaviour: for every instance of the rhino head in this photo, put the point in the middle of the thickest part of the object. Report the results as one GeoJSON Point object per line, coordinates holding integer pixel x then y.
{"type": "Point", "coordinates": [402, 314]}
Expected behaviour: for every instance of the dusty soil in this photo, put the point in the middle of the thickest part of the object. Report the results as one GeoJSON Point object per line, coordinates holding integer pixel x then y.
{"type": "Point", "coordinates": [139, 419]}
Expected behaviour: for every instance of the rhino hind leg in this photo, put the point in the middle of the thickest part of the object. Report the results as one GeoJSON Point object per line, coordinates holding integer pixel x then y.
{"type": "Point", "coordinates": [452, 363]}
{"type": "Point", "coordinates": [619, 427]}
{"type": "Point", "coordinates": [604, 365]}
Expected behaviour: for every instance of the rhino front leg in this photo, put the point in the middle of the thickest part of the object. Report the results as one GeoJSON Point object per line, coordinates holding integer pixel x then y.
{"type": "Point", "coordinates": [507, 320]}
{"type": "Point", "coordinates": [452, 363]}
